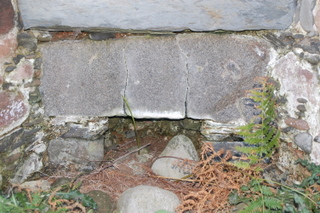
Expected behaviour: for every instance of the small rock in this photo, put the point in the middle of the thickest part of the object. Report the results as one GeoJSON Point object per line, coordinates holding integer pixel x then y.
{"type": "Point", "coordinates": [37, 185]}
{"type": "Point", "coordinates": [301, 108]}
{"type": "Point", "coordinates": [297, 123]}
{"type": "Point", "coordinates": [60, 182]}
{"type": "Point", "coordinates": [27, 41]}
{"type": "Point", "coordinates": [10, 68]}
{"type": "Point", "coordinates": [317, 139]}
{"type": "Point", "coordinates": [302, 100]}
{"type": "Point", "coordinates": [77, 151]}
{"type": "Point", "coordinates": [304, 141]}
{"type": "Point", "coordinates": [147, 199]}
{"type": "Point", "coordinates": [97, 36]}
{"type": "Point", "coordinates": [17, 59]}
{"type": "Point", "coordinates": [103, 200]}
{"type": "Point", "coordinates": [181, 147]}
{"type": "Point", "coordinates": [297, 36]}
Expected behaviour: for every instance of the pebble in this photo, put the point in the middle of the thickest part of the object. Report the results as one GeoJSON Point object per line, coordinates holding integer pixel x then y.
{"type": "Point", "coordinates": [317, 139]}
{"type": "Point", "coordinates": [297, 123]}
{"type": "Point", "coordinates": [304, 141]}
{"type": "Point", "coordinates": [301, 108]}
{"type": "Point", "coordinates": [10, 68]}
{"type": "Point", "coordinates": [302, 100]}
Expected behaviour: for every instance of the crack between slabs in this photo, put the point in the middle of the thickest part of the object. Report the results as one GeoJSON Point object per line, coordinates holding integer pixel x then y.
{"type": "Point", "coordinates": [185, 57]}
{"type": "Point", "coordinates": [127, 78]}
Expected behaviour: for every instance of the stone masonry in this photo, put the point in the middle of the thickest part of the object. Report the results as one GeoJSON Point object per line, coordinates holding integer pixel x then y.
{"type": "Point", "coordinates": [161, 77]}
{"type": "Point", "coordinates": [56, 95]}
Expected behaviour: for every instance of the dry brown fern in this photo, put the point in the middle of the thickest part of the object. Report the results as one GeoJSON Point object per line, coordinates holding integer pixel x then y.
{"type": "Point", "coordinates": [214, 180]}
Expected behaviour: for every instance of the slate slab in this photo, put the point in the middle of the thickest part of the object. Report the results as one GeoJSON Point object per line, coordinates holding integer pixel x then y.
{"type": "Point", "coordinates": [159, 15]}
{"type": "Point", "coordinates": [221, 68]}
{"type": "Point", "coordinates": [157, 78]}
{"type": "Point", "coordinates": [65, 151]}
{"type": "Point", "coordinates": [83, 78]}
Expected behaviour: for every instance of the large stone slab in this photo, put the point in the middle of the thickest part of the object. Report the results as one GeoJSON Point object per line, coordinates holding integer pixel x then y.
{"type": "Point", "coordinates": [157, 78]}
{"type": "Point", "coordinates": [203, 15]}
{"type": "Point", "coordinates": [221, 68]}
{"type": "Point", "coordinates": [201, 76]}
{"type": "Point", "coordinates": [83, 78]}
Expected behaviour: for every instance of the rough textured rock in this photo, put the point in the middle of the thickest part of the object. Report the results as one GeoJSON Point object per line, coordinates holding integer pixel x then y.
{"type": "Point", "coordinates": [297, 123]}
{"type": "Point", "coordinates": [7, 46]}
{"type": "Point", "coordinates": [220, 69]}
{"type": "Point", "coordinates": [22, 74]}
{"type": "Point", "coordinates": [6, 16]}
{"type": "Point", "coordinates": [13, 110]}
{"type": "Point", "coordinates": [91, 130]}
{"type": "Point", "coordinates": [103, 200]}
{"type": "Point", "coordinates": [147, 199]}
{"type": "Point", "coordinates": [161, 77]}
{"type": "Point", "coordinates": [65, 151]}
{"type": "Point", "coordinates": [32, 164]}
{"type": "Point", "coordinates": [214, 131]}
{"type": "Point", "coordinates": [157, 78]}
{"type": "Point", "coordinates": [306, 15]}
{"type": "Point", "coordinates": [83, 78]}
{"type": "Point", "coordinates": [204, 15]}
{"type": "Point", "coordinates": [182, 147]}
{"type": "Point", "coordinates": [300, 81]}
{"type": "Point", "coordinates": [304, 141]}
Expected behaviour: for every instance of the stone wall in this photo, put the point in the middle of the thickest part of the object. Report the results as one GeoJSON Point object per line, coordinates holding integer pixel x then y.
{"type": "Point", "coordinates": [59, 88]}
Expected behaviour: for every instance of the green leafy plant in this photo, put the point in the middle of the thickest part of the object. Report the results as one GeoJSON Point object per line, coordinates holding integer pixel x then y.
{"type": "Point", "coordinates": [261, 136]}
{"type": "Point", "coordinates": [25, 201]}
{"type": "Point", "coordinates": [133, 122]}
{"type": "Point", "coordinates": [265, 196]}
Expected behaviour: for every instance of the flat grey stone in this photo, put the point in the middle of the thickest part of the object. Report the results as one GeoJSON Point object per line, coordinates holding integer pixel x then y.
{"type": "Point", "coordinates": [203, 15]}
{"type": "Point", "coordinates": [83, 78]}
{"type": "Point", "coordinates": [31, 164]}
{"type": "Point", "coordinates": [304, 141]}
{"type": "Point", "coordinates": [157, 78]}
{"type": "Point", "coordinates": [179, 146]}
{"type": "Point", "coordinates": [147, 199]}
{"type": "Point", "coordinates": [77, 151]}
{"type": "Point", "coordinates": [221, 68]}
{"type": "Point", "coordinates": [306, 15]}
{"type": "Point", "coordinates": [200, 76]}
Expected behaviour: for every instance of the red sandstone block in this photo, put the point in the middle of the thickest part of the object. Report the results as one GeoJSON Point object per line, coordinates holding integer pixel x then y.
{"type": "Point", "coordinates": [7, 46]}
{"type": "Point", "coordinates": [12, 108]}
{"type": "Point", "coordinates": [6, 16]}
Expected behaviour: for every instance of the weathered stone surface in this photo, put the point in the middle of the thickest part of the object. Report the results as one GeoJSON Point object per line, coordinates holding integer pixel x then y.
{"type": "Point", "coordinates": [7, 46]}
{"type": "Point", "coordinates": [297, 123]}
{"type": "Point", "coordinates": [220, 69]}
{"type": "Point", "coordinates": [13, 110]}
{"type": "Point", "coordinates": [147, 199]}
{"type": "Point", "coordinates": [161, 77]}
{"type": "Point", "coordinates": [214, 131]}
{"type": "Point", "coordinates": [6, 16]}
{"type": "Point", "coordinates": [89, 131]}
{"type": "Point", "coordinates": [23, 73]}
{"type": "Point", "coordinates": [317, 16]}
{"type": "Point", "coordinates": [204, 15]}
{"type": "Point", "coordinates": [65, 151]}
{"type": "Point", "coordinates": [182, 147]}
{"type": "Point", "coordinates": [17, 138]}
{"type": "Point", "coordinates": [32, 164]}
{"type": "Point", "coordinates": [27, 41]}
{"type": "Point", "coordinates": [103, 200]}
{"type": "Point", "coordinates": [304, 141]}
{"type": "Point", "coordinates": [157, 78]}
{"type": "Point", "coordinates": [300, 81]}
{"type": "Point", "coordinates": [306, 15]}
{"type": "Point", "coordinates": [83, 78]}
